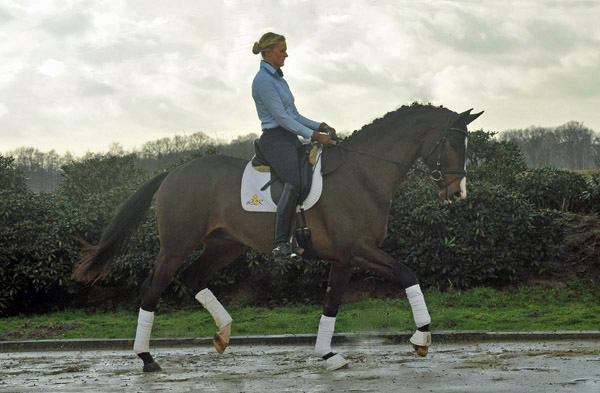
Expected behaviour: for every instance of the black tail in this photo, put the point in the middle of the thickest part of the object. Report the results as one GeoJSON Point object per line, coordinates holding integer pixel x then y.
{"type": "Point", "coordinates": [93, 264]}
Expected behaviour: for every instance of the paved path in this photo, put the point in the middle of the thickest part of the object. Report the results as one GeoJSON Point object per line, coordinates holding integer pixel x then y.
{"type": "Point", "coordinates": [376, 366]}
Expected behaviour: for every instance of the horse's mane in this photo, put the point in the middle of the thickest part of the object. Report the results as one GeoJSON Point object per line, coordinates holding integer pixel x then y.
{"type": "Point", "coordinates": [393, 116]}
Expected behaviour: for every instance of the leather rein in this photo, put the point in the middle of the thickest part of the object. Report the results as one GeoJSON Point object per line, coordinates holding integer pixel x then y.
{"type": "Point", "coordinates": [436, 174]}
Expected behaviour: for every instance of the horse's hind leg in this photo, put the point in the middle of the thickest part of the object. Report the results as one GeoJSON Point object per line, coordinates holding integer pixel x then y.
{"type": "Point", "coordinates": [152, 289]}
{"type": "Point", "coordinates": [218, 253]}
{"type": "Point", "coordinates": [339, 275]}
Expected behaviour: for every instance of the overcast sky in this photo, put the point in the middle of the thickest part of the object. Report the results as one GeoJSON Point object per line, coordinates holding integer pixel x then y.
{"type": "Point", "coordinates": [76, 75]}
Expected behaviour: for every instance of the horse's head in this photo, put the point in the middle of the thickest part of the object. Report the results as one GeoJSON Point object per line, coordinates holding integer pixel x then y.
{"type": "Point", "coordinates": [445, 153]}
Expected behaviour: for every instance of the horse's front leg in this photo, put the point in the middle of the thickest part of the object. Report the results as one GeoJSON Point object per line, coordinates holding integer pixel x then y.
{"type": "Point", "coordinates": [339, 275]}
{"type": "Point", "coordinates": [375, 260]}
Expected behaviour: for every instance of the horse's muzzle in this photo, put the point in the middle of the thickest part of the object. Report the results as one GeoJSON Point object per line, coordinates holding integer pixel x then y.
{"type": "Point", "coordinates": [454, 191]}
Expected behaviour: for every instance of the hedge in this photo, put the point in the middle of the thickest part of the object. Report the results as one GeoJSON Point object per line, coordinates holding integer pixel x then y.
{"type": "Point", "coordinates": [504, 232]}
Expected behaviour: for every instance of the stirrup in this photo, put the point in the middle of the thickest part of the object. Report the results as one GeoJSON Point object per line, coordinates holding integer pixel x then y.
{"type": "Point", "coordinates": [284, 252]}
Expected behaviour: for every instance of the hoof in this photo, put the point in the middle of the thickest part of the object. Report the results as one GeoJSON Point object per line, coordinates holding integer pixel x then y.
{"type": "Point", "coordinates": [219, 342]}
{"type": "Point", "coordinates": [421, 351]}
{"type": "Point", "coordinates": [221, 338]}
{"type": "Point", "coordinates": [335, 362]}
{"type": "Point", "coordinates": [152, 367]}
{"type": "Point", "coordinates": [421, 342]}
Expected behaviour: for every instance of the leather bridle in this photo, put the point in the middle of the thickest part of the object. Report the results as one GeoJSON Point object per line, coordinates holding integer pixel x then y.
{"type": "Point", "coordinates": [436, 174]}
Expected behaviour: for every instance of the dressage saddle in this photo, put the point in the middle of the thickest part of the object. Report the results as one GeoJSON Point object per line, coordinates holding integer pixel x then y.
{"type": "Point", "coordinates": [260, 163]}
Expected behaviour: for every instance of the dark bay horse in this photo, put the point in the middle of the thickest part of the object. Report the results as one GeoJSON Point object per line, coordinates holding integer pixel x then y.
{"type": "Point", "coordinates": [198, 203]}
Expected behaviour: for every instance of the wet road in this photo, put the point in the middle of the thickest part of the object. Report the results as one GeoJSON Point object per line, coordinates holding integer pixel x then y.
{"type": "Point", "coordinates": [554, 366]}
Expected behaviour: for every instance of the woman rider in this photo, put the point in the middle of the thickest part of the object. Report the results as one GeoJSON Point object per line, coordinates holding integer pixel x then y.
{"type": "Point", "coordinates": [281, 125]}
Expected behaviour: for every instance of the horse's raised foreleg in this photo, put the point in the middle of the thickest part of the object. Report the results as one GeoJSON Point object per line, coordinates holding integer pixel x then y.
{"type": "Point", "coordinates": [375, 260]}
{"type": "Point", "coordinates": [152, 288]}
{"type": "Point", "coordinates": [339, 275]}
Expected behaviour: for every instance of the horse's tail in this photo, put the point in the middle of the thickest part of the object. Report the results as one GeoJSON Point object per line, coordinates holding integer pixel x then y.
{"type": "Point", "coordinates": [93, 264]}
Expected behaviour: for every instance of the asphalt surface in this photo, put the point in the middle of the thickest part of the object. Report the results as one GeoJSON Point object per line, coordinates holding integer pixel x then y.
{"type": "Point", "coordinates": [467, 362]}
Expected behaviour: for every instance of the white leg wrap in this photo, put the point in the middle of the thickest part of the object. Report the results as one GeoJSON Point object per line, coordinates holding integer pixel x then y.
{"type": "Point", "coordinates": [326, 328]}
{"type": "Point", "coordinates": [216, 309]}
{"type": "Point", "coordinates": [144, 330]}
{"type": "Point", "coordinates": [422, 339]}
{"type": "Point", "coordinates": [417, 303]}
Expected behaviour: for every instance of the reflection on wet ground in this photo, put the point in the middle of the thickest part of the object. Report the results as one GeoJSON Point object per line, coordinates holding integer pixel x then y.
{"type": "Point", "coordinates": [555, 366]}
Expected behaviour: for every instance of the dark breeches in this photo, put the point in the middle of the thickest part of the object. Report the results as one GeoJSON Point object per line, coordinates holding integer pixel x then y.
{"type": "Point", "coordinates": [280, 147]}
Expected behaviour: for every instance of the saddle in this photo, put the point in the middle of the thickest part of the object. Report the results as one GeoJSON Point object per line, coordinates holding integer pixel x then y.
{"type": "Point", "coordinates": [307, 154]}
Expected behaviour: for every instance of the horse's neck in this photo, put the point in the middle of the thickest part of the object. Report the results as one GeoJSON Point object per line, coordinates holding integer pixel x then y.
{"type": "Point", "coordinates": [395, 154]}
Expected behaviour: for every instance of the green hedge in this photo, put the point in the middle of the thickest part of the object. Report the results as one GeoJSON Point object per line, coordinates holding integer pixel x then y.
{"type": "Point", "coordinates": [508, 229]}
{"type": "Point", "coordinates": [552, 188]}
{"type": "Point", "coordinates": [493, 237]}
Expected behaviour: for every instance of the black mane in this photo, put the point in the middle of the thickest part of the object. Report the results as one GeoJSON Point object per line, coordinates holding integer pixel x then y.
{"type": "Point", "coordinates": [392, 116]}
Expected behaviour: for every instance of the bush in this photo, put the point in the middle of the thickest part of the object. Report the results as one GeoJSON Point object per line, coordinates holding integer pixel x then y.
{"type": "Point", "coordinates": [492, 237]}
{"type": "Point", "coordinates": [39, 233]}
{"type": "Point", "coordinates": [590, 198]}
{"type": "Point", "coordinates": [492, 161]}
{"type": "Point", "coordinates": [550, 188]}
{"type": "Point", "coordinates": [37, 250]}
{"type": "Point", "coordinates": [10, 177]}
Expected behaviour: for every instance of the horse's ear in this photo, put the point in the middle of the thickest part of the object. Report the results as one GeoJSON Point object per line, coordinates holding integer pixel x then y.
{"type": "Point", "coordinates": [467, 117]}
{"type": "Point", "coordinates": [472, 117]}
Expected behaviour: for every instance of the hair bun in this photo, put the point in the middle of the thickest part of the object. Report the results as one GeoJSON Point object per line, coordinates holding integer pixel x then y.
{"type": "Point", "coordinates": [256, 48]}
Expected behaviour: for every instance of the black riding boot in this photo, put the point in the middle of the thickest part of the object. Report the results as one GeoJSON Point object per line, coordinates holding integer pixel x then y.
{"type": "Point", "coordinates": [286, 209]}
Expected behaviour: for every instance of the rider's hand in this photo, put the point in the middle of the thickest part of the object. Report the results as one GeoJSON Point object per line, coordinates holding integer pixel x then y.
{"type": "Point", "coordinates": [324, 127]}
{"type": "Point", "coordinates": [323, 139]}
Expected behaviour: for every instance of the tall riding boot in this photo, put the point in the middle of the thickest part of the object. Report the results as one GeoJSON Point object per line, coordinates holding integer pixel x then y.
{"type": "Point", "coordinates": [286, 208]}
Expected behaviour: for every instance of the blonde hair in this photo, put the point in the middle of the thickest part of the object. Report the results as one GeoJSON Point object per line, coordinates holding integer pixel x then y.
{"type": "Point", "coordinates": [267, 41]}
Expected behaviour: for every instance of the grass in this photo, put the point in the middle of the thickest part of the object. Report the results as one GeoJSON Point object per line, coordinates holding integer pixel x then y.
{"type": "Point", "coordinates": [518, 309]}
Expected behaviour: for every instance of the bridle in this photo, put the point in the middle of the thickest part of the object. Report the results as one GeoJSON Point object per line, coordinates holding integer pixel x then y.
{"type": "Point", "coordinates": [438, 173]}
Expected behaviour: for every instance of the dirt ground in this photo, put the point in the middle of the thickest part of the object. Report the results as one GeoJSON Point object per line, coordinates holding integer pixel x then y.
{"type": "Point", "coordinates": [554, 366]}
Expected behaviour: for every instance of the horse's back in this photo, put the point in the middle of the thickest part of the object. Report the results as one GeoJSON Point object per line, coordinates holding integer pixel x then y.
{"type": "Point", "coordinates": [204, 181]}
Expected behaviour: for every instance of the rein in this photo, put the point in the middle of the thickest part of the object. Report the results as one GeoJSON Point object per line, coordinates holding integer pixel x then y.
{"type": "Point", "coordinates": [438, 173]}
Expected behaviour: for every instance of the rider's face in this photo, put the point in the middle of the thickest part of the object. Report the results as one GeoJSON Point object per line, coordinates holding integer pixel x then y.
{"type": "Point", "coordinates": [276, 56]}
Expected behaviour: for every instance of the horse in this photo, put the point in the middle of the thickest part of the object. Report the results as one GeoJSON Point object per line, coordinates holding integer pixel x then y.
{"type": "Point", "coordinates": [198, 204]}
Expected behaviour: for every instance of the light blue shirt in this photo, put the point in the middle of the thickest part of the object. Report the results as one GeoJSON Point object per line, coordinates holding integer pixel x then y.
{"type": "Point", "coordinates": [275, 103]}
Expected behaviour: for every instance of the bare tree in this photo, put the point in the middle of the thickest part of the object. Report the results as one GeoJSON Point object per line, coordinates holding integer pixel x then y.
{"type": "Point", "coordinates": [576, 144]}
{"type": "Point", "coordinates": [538, 144]}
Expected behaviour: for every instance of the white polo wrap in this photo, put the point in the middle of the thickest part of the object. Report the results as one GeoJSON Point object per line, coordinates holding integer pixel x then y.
{"type": "Point", "coordinates": [216, 309]}
{"type": "Point", "coordinates": [144, 330]}
{"type": "Point", "coordinates": [422, 339]}
{"type": "Point", "coordinates": [417, 303]}
{"type": "Point", "coordinates": [326, 328]}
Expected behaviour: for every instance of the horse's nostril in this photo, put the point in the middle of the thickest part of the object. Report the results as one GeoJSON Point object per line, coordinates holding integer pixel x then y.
{"type": "Point", "coordinates": [457, 195]}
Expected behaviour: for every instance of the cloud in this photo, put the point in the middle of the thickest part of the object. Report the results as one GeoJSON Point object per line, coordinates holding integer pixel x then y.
{"type": "Point", "coordinates": [3, 109]}
{"type": "Point", "coordinates": [66, 23]}
{"type": "Point", "coordinates": [131, 71]}
{"type": "Point", "coordinates": [5, 15]}
{"type": "Point", "coordinates": [52, 68]}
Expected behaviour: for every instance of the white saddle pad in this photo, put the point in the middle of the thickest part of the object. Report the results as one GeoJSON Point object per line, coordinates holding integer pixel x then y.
{"type": "Point", "coordinates": [255, 200]}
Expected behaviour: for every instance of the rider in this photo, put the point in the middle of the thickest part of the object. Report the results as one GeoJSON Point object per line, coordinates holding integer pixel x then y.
{"type": "Point", "coordinates": [281, 125]}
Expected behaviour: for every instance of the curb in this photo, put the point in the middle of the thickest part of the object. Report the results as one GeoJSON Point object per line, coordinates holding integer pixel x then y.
{"type": "Point", "coordinates": [442, 336]}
